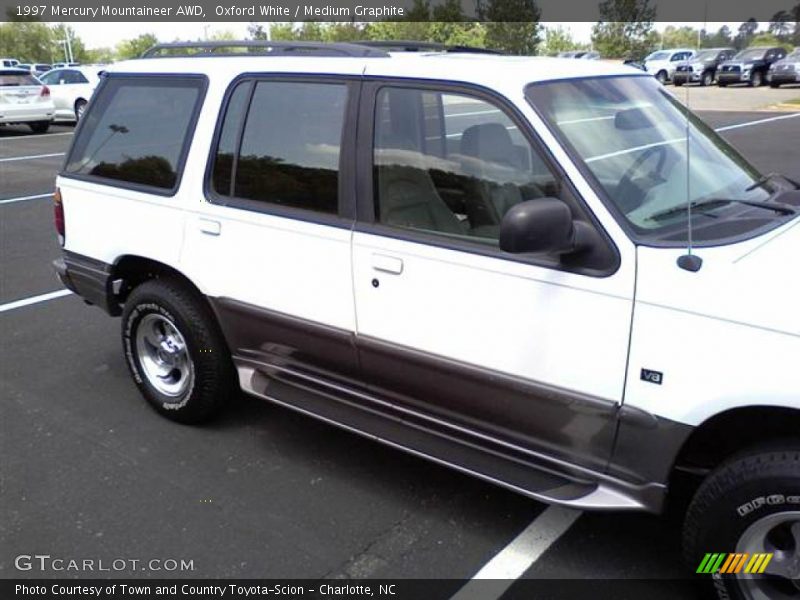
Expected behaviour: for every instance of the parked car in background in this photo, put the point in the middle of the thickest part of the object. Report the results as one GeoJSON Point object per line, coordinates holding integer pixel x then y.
{"type": "Point", "coordinates": [61, 65]}
{"type": "Point", "coordinates": [24, 99]}
{"type": "Point", "coordinates": [702, 67]}
{"type": "Point", "coordinates": [750, 66]}
{"type": "Point", "coordinates": [35, 68]}
{"type": "Point", "coordinates": [662, 63]}
{"type": "Point", "coordinates": [72, 88]}
{"type": "Point", "coordinates": [591, 56]}
{"type": "Point", "coordinates": [785, 70]}
{"type": "Point", "coordinates": [8, 62]}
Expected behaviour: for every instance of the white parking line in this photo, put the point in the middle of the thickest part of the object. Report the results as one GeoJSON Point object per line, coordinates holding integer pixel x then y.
{"type": "Point", "coordinates": [33, 300]}
{"type": "Point", "coordinates": [516, 558]}
{"type": "Point", "coordinates": [758, 122]}
{"type": "Point", "coordinates": [34, 137]}
{"type": "Point", "coordinates": [23, 198]}
{"type": "Point", "coordinates": [31, 157]}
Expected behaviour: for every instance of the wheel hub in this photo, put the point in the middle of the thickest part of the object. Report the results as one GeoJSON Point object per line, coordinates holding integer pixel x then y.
{"type": "Point", "coordinates": [778, 534]}
{"type": "Point", "coordinates": [163, 356]}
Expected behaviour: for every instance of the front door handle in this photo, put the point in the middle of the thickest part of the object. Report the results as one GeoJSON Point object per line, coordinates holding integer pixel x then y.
{"type": "Point", "coordinates": [387, 264]}
{"type": "Point", "coordinates": [210, 227]}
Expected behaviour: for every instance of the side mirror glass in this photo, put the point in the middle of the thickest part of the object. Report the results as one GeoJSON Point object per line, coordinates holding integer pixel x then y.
{"type": "Point", "coordinates": [544, 225]}
{"type": "Point", "coordinates": [632, 118]}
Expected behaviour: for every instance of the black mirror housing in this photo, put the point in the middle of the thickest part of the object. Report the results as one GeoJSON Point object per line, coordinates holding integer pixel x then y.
{"type": "Point", "coordinates": [544, 225]}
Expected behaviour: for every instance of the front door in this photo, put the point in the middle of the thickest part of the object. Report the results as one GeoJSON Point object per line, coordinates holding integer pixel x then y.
{"type": "Point", "coordinates": [530, 350]}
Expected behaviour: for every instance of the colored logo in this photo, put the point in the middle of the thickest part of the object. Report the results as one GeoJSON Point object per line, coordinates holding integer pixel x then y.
{"type": "Point", "coordinates": [734, 563]}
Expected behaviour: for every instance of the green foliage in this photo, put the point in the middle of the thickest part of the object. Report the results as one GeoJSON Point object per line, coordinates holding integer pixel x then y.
{"type": "Point", "coordinates": [768, 39]}
{"type": "Point", "coordinates": [680, 37]}
{"type": "Point", "coordinates": [28, 41]}
{"type": "Point", "coordinates": [558, 39]}
{"type": "Point", "coordinates": [511, 25]}
{"type": "Point", "coordinates": [134, 48]}
{"type": "Point", "coordinates": [625, 29]}
{"type": "Point", "coordinates": [720, 39]}
{"type": "Point", "coordinates": [746, 32]}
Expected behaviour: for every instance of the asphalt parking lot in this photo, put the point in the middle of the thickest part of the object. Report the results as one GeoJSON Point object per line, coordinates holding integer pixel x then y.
{"type": "Point", "coordinates": [89, 471]}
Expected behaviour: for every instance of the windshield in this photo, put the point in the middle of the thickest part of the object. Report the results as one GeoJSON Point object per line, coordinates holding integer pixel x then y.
{"type": "Point", "coordinates": [750, 54]}
{"type": "Point", "coordinates": [706, 55]}
{"type": "Point", "coordinates": [631, 135]}
{"type": "Point", "coordinates": [658, 56]}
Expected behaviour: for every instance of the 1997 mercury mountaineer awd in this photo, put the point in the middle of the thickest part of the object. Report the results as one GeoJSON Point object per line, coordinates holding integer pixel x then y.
{"type": "Point", "coordinates": [542, 272]}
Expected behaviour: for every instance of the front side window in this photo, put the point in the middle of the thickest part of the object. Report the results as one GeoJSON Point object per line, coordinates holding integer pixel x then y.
{"type": "Point", "coordinates": [287, 153]}
{"type": "Point", "coordinates": [138, 130]}
{"type": "Point", "coordinates": [451, 164]}
{"type": "Point", "coordinates": [631, 135]}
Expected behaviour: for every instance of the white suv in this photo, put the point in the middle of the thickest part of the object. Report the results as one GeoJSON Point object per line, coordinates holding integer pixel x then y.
{"type": "Point", "coordinates": [481, 260]}
{"type": "Point", "coordinates": [661, 64]}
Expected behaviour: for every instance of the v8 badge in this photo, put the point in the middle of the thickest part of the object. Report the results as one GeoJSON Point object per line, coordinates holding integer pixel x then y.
{"type": "Point", "coordinates": [650, 376]}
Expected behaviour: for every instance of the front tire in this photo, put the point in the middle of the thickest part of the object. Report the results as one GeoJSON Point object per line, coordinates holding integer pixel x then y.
{"type": "Point", "coordinates": [707, 79]}
{"type": "Point", "coordinates": [756, 79]}
{"type": "Point", "coordinates": [80, 106]}
{"type": "Point", "coordinates": [662, 77]}
{"type": "Point", "coordinates": [750, 504]}
{"type": "Point", "coordinates": [39, 126]}
{"type": "Point", "coordinates": [175, 351]}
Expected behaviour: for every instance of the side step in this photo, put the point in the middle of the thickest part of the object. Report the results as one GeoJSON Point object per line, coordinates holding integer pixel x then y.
{"type": "Point", "coordinates": [500, 466]}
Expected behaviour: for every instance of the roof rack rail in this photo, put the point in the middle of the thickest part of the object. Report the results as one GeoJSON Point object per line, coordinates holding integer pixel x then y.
{"type": "Point", "coordinates": [414, 46]}
{"type": "Point", "coordinates": [261, 48]}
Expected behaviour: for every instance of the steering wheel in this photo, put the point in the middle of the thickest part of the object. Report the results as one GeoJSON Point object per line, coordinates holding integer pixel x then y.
{"type": "Point", "coordinates": [630, 195]}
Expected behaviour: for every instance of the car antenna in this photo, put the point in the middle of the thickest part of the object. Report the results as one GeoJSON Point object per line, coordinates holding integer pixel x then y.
{"type": "Point", "coordinates": [689, 261]}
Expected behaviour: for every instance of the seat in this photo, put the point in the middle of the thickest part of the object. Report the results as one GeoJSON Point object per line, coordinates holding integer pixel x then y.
{"type": "Point", "coordinates": [489, 156]}
{"type": "Point", "coordinates": [407, 195]}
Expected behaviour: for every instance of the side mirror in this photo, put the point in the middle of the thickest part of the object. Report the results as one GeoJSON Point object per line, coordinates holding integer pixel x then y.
{"type": "Point", "coordinates": [544, 225]}
{"type": "Point", "coordinates": [632, 119]}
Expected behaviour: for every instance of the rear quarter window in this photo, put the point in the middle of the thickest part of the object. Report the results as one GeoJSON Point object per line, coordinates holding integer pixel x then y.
{"type": "Point", "coordinates": [11, 79]}
{"type": "Point", "coordinates": [138, 131]}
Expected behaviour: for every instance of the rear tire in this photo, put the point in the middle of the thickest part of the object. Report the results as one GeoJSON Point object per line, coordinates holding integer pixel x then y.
{"type": "Point", "coordinates": [176, 352]}
{"type": "Point", "coordinates": [39, 126]}
{"type": "Point", "coordinates": [774, 85]}
{"type": "Point", "coordinates": [750, 504]}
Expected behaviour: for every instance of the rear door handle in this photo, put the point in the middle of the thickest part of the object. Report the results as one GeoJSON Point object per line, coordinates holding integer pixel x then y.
{"type": "Point", "coordinates": [210, 227]}
{"type": "Point", "coordinates": [387, 264]}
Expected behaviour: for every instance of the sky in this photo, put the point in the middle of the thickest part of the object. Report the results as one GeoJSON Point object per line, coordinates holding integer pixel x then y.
{"type": "Point", "coordinates": [100, 35]}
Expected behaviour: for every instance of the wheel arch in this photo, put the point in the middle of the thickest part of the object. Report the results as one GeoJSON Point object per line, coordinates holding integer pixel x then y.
{"type": "Point", "coordinates": [134, 270]}
{"type": "Point", "coordinates": [727, 433]}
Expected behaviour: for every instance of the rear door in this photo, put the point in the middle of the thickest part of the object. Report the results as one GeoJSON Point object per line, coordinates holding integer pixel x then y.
{"type": "Point", "coordinates": [270, 243]}
{"type": "Point", "coordinates": [526, 349]}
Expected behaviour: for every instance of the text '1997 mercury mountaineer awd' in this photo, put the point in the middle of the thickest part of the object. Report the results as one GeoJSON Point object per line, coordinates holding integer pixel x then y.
{"type": "Point", "coordinates": [545, 273]}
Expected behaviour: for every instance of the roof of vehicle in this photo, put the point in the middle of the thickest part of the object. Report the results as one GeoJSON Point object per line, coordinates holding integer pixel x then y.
{"type": "Point", "coordinates": [92, 70]}
{"type": "Point", "coordinates": [494, 71]}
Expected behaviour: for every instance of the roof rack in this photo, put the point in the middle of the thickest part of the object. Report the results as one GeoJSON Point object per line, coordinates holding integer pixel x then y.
{"type": "Point", "coordinates": [414, 46]}
{"type": "Point", "coordinates": [262, 48]}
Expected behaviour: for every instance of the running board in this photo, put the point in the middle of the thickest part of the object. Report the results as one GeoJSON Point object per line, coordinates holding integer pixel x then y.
{"type": "Point", "coordinates": [496, 465]}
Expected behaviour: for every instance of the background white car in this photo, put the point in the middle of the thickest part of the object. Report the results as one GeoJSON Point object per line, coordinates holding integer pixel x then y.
{"type": "Point", "coordinates": [662, 63]}
{"type": "Point", "coordinates": [72, 88]}
{"type": "Point", "coordinates": [23, 99]}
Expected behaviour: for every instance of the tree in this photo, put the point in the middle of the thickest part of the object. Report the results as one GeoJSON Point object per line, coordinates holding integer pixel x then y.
{"type": "Point", "coordinates": [28, 41]}
{"type": "Point", "coordinates": [625, 28]}
{"type": "Point", "coordinates": [721, 39]}
{"type": "Point", "coordinates": [558, 39]}
{"type": "Point", "coordinates": [768, 39]}
{"type": "Point", "coordinates": [511, 25]}
{"type": "Point", "coordinates": [135, 47]}
{"type": "Point", "coordinates": [680, 37]}
{"type": "Point", "coordinates": [746, 32]}
{"type": "Point", "coordinates": [780, 25]}
{"type": "Point", "coordinates": [796, 18]}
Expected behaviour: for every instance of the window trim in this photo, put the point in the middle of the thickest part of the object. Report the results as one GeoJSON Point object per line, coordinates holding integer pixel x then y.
{"type": "Point", "coordinates": [365, 214]}
{"type": "Point", "coordinates": [182, 155]}
{"type": "Point", "coordinates": [346, 209]}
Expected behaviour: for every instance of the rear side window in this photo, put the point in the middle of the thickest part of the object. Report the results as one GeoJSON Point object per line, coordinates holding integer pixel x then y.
{"type": "Point", "coordinates": [11, 79]}
{"type": "Point", "coordinates": [138, 131]}
{"type": "Point", "coordinates": [280, 144]}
